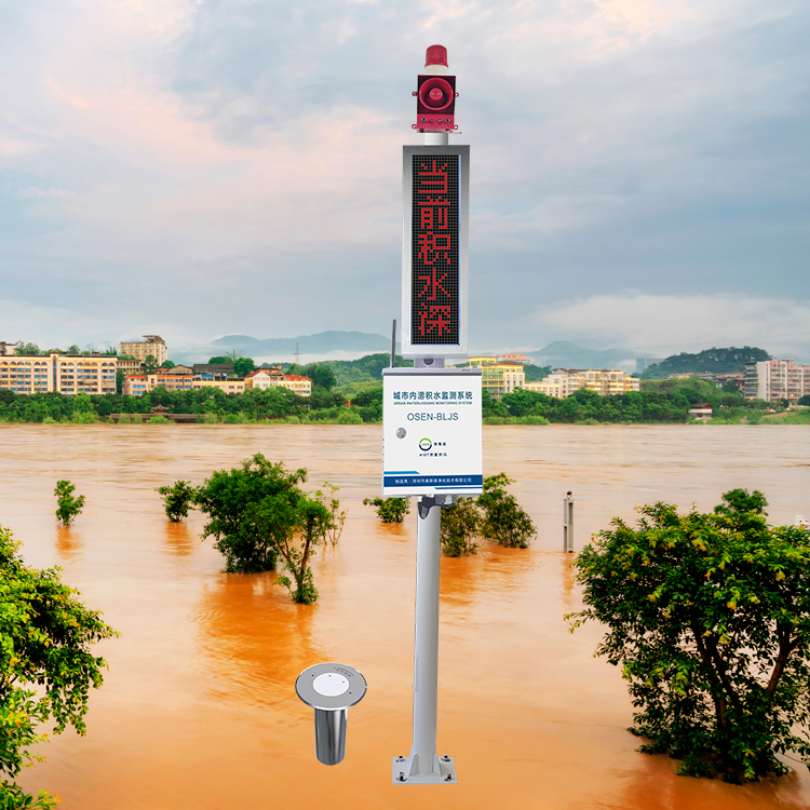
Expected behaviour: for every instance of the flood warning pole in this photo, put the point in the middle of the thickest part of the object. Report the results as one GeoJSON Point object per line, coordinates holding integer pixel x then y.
{"type": "Point", "coordinates": [432, 437]}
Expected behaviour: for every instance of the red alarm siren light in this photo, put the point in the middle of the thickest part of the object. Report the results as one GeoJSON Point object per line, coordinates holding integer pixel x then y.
{"type": "Point", "coordinates": [435, 94]}
{"type": "Point", "coordinates": [436, 55]}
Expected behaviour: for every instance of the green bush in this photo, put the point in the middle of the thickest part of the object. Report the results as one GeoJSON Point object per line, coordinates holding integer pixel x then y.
{"type": "Point", "coordinates": [349, 416]}
{"type": "Point", "coordinates": [390, 510]}
{"type": "Point", "coordinates": [177, 498]}
{"type": "Point", "coordinates": [67, 506]}
{"type": "Point", "coordinates": [46, 668]}
{"type": "Point", "coordinates": [503, 521]}
{"type": "Point", "coordinates": [461, 524]}
{"type": "Point", "coordinates": [708, 616]}
{"type": "Point", "coordinates": [534, 420]}
{"type": "Point", "coordinates": [159, 419]}
{"type": "Point", "coordinates": [83, 418]}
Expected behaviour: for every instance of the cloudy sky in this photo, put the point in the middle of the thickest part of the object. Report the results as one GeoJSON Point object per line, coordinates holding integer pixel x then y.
{"type": "Point", "coordinates": [640, 168]}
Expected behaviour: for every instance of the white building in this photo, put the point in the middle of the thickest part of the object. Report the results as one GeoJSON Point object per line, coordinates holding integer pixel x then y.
{"type": "Point", "coordinates": [565, 381]}
{"type": "Point", "coordinates": [264, 378]}
{"type": "Point", "coordinates": [775, 380]}
{"type": "Point", "coordinates": [152, 346]}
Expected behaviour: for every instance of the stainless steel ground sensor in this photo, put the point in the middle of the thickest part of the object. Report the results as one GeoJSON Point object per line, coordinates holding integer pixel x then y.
{"type": "Point", "coordinates": [331, 689]}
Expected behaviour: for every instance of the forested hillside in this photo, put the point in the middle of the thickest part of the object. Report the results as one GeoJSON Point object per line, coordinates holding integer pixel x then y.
{"type": "Point", "coordinates": [711, 361]}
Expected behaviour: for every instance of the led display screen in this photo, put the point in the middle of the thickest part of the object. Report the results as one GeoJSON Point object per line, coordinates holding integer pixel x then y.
{"type": "Point", "coordinates": [435, 279]}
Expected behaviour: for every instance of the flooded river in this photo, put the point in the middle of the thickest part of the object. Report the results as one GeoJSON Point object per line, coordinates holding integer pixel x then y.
{"type": "Point", "coordinates": [198, 709]}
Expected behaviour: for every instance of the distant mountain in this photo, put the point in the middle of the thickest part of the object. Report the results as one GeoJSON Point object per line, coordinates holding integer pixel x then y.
{"type": "Point", "coordinates": [323, 342]}
{"type": "Point", "coordinates": [236, 340]}
{"type": "Point", "coordinates": [564, 354]}
{"type": "Point", "coordinates": [342, 345]}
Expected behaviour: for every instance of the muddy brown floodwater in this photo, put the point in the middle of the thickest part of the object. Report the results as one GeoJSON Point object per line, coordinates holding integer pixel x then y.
{"type": "Point", "coordinates": [198, 709]}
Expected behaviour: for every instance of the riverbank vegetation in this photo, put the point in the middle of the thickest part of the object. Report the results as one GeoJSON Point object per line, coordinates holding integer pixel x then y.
{"type": "Point", "coordinates": [360, 402]}
{"type": "Point", "coordinates": [46, 667]}
{"type": "Point", "coordinates": [708, 616]}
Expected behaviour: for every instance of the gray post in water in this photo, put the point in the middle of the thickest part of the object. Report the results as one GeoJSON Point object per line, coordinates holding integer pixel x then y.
{"type": "Point", "coordinates": [568, 523]}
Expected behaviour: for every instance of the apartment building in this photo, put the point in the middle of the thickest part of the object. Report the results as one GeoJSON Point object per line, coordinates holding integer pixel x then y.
{"type": "Point", "coordinates": [152, 345]}
{"type": "Point", "coordinates": [264, 378]}
{"type": "Point", "coordinates": [565, 381]}
{"type": "Point", "coordinates": [499, 377]}
{"type": "Point", "coordinates": [139, 384]}
{"type": "Point", "coordinates": [130, 366]}
{"type": "Point", "coordinates": [6, 348]}
{"type": "Point", "coordinates": [66, 373]}
{"type": "Point", "coordinates": [775, 380]}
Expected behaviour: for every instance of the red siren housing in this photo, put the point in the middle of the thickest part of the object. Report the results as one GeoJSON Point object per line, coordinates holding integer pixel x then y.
{"type": "Point", "coordinates": [436, 94]}
{"type": "Point", "coordinates": [436, 55]}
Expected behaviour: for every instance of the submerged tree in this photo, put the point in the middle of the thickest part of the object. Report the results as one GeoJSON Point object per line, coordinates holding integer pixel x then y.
{"type": "Point", "coordinates": [177, 499]}
{"type": "Point", "coordinates": [297, 524]}
{"type": "Point", "coordinates": [389, 510]}
{"type": "Point", "coordinates": [326, 495]}
{"type": "Point", "coordinates": [504, 521]}
{"type": "Point", "coordinates": [67, 507]}
{"type": "Point", "coordinates": [46, 667]}
{"type": "Point", "coordinates": [461, 524]}
{"type": "Point", "coordinates": [709, 617]}
{"type": "Point", "coordinates": [233, 501]}
{"type": "Point", "coordinates": [257, 512]}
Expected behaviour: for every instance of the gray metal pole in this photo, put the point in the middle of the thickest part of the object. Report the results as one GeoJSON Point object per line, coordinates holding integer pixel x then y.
{"type": "Point", "coordinates": [426, 646]}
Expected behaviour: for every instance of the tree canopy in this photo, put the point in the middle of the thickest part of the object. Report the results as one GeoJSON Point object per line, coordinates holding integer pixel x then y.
{"type": "Point", "coordinates": [242, 366]}
{"type": "Point", "coordinates": [717, 361]}
{"type": "Point", "coordinates": [257, 512]}
{"type": "Point", "coordinates": [46, 666]}
{"type": "Point", "coordinates": [233, 501]}
{"type": "Point", "coordinates": [708, 615]}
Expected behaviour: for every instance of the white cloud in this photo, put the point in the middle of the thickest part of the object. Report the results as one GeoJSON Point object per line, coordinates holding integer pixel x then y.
{"type": "Point", "coordinates": [241, 173]}
{"type": "Point", "coordinates": [668, 324]}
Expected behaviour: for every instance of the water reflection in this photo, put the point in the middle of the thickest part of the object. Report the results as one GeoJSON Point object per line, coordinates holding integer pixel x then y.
{"type": "Point", "coordinates": [653, 777]}
{"type": "Point", "coordinates": [179, 540]}
{"type": "Point", "coordinates": [68, 543]}
{"type": "Point", "coordinates": [254, 640]}
{"type": "Point", "coordinates": [568, 578]}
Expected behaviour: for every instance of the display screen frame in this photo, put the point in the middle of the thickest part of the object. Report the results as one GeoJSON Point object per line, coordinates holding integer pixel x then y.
{"type": "Point", "coordinates": [411, 287]}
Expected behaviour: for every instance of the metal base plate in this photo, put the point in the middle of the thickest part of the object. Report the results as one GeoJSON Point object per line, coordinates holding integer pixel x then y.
{"type": "Point", "coordinates": [444, 772]}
